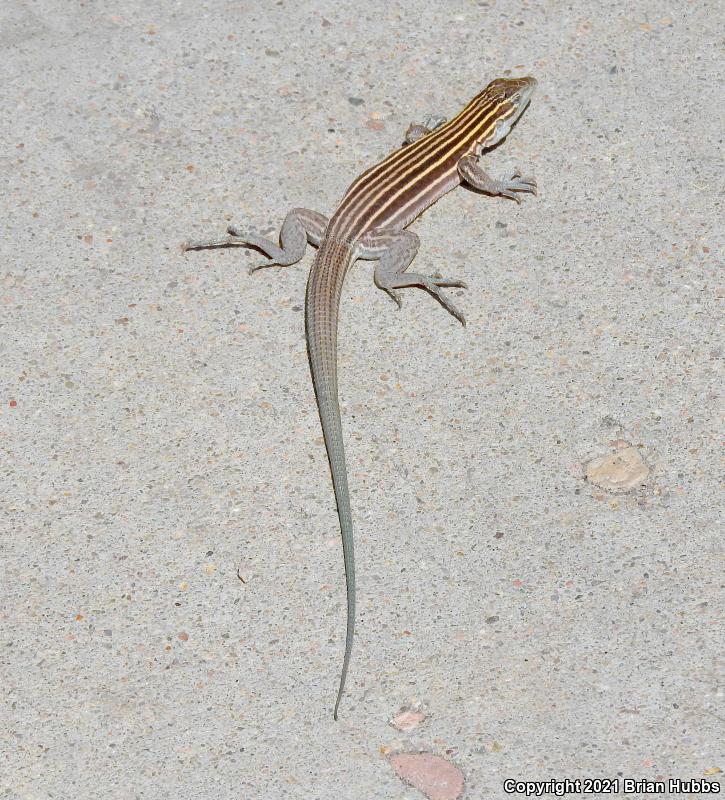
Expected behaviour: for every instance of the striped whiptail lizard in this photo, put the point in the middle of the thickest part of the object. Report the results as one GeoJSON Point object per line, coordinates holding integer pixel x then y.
{"type": "Point", "coordinates": [369, 224]}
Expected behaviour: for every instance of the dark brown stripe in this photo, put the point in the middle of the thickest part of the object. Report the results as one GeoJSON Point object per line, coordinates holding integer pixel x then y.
{"type": "Point", "coordinates": [371, 198]}
{"type": "Point", "coordinates": [416, 154]}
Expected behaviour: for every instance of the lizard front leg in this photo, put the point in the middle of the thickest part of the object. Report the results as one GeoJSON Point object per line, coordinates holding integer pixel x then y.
{"type": "Point", "coordinates": [473, 174]}
{"type": "Point", "coordinates": [394, 251]}
{"type": "Point", "coordinates": [299, 227]}
{"type": "Point", "coordinates": [417, 130]}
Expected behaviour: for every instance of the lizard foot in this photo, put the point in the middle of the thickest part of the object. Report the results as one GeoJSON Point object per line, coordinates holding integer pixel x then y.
{"type": "Point", "coordinates": [508, 187]}
{"type": "Point", "coordinates": [432, 284]}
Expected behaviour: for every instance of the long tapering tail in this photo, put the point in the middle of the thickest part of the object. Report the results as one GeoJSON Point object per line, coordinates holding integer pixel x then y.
{"type": "Point", "coordinates": [324, 288]}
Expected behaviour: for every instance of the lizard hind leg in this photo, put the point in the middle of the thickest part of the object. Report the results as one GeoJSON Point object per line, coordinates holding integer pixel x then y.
{"type": "Point", "coordinates": [394, 251]}
{"type": "Point", "coordinates": [299, 227]}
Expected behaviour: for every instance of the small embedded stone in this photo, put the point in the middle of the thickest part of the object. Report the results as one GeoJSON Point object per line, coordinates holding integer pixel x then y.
{"type": "Point", "coordinates": [432, 775]}
{"type": "Point", "coordinates": [619, 471]}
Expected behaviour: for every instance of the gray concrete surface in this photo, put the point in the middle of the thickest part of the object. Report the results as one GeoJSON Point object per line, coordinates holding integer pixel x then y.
{"type": "Point", "coordinates": [159, 431]}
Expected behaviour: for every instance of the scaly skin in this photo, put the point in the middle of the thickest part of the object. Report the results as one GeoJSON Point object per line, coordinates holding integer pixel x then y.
{"type": "Point", "coordinates": [324, 287]}
{"type": "Point", "coordinates": [369, 224]}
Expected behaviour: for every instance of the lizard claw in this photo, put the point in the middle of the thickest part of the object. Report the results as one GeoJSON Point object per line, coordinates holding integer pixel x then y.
{"type": "Point", "coordinates": [434, 285]}
{"type": "Point", "coordinates": [449, 283]}
{"type": "Point", "coordinates": [395, 296]}
{"type": "Point", "coordinates": [518, 183]}
{"type": "Point", "coordinates": [434, 121]}
{"type": "Point", "coordinates": [186, 246]}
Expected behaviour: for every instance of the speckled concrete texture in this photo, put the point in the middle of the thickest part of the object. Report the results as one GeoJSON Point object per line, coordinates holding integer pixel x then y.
{"type": "Point", "coordinates": [536, 497]}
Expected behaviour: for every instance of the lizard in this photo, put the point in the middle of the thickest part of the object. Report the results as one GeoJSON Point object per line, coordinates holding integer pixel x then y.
{"type": "Point", "coordinates": [370, 224]}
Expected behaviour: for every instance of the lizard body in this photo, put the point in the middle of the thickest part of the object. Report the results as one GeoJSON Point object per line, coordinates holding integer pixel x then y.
{"type": "Point", "coordinates": [369, 223]}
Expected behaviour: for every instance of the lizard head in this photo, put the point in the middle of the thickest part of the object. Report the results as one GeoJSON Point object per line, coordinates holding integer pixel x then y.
{"type": "Point", "coordinates": [505, 100]}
